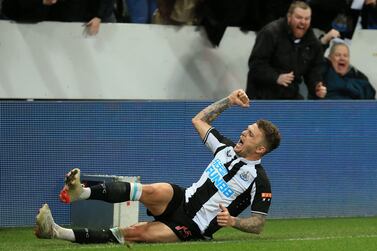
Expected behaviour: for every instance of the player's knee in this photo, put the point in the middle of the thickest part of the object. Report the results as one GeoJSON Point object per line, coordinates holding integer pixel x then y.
{"type": "Point", "coordinates": [154, 190]}
{"type": "Point", "coordinates": [148, 234]}
{"type": "Point", "coordinates": [144, 236]}
{"type": "Point", "coordinates": [148, 190]}
{"type": "Point", "coordinates": [138, 233]}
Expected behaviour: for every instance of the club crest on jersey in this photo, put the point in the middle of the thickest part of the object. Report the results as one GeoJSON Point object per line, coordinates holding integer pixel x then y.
{"type": "Point", "coordinates": [245, 176]}
{"type": "Point", "coordinates": [229, 153]}
{"type": "Point", "coordinates": [216, 171]}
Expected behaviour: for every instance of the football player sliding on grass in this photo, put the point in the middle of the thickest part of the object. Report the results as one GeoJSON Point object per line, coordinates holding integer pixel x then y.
{"type": "Point", "coordinates": [233, 181]}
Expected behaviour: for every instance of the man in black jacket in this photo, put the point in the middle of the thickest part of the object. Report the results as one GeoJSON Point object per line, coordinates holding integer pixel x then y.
{"type": "Point", "coordinates": [286, 53]}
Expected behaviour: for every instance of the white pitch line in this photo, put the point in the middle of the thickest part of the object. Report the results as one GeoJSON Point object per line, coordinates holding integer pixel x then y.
{"type": "Point", "coordinates": [330, 238]}
{"type": "Point", "coordinates": [274, 240]}
{"type": "Point", "coordinates": [78, 247]}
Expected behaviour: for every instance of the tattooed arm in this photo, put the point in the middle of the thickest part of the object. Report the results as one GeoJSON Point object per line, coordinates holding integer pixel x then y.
{"type": "Point", "coordinates": [253, 224]}
{"type": "Point", "coordinates": [202, 121]}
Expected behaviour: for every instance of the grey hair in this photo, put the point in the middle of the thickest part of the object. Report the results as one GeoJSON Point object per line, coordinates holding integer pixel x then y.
{"type": "Point", "coordinates": [336, 43]}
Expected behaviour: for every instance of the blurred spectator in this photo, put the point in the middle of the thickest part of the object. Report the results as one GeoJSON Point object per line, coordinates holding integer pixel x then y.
{"type": "Point", "coordinates": [141, 11]}
{"type": "Point", "coordinates": [341, 15]}
{"type": "Point", "coordinates": [1, 3]}
{"type": "Point", "coordinates": [180, 12]}
{"type": "Point", "coordinates": [92, 12]}
{"type": "Point", "coordinates": [369, 15]}
{"type": "Point", "coordinates": [343, 80]}
{"type": "Point", "coordinates": [325, 12]}
{"type": "Point", "coordinates": [262, 12]}
{"type": "Point", "coordinates": [250, 15]}
{"type": "Point", "coordinates": [285, 52]}
{"type": "Point", "coordinates": [24, 10]}
{"type": "Point", "coordinates": [217, 15]}
{"type": "Point", "coordinates": [326, 38]}
{"type": "Point", "coordinates": [121, 11]}
{"type": "Point", "coordinates": [1, 12]}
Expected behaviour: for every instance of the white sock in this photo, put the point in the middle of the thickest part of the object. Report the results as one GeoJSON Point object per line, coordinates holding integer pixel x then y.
{"type": "Point", "coordinates": [85, 193]}
{"type": "Point", "coordinates": [135, 191]}
{"type": "Point", "coordinates": [62, 233]}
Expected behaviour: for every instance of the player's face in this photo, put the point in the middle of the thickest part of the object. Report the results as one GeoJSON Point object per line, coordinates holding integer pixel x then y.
{"type": "Point", "coordinates": [340, 59]}
{"type": "Point", "coordinates": [250, 142]}
{"type": "Point", "coordinates": [299, 21]}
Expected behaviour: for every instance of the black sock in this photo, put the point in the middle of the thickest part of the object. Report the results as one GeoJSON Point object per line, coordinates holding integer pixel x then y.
{"type": "Point", "coordinates": [85, 236]}
{"type": "Point", "coordinates": [113, 192]}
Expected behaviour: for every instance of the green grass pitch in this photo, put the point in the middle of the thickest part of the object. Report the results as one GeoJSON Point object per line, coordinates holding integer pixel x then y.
{"type": "Point", "coordinates": [333, 234]}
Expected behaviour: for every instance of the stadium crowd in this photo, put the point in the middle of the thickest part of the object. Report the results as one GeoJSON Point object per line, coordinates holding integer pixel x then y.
{"type": "Point", "coordinates": [271, 76]}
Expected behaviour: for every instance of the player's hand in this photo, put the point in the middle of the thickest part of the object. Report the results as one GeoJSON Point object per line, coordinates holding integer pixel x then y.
{"type": "Point", "coordinates": [285, 79]}
{"type": "Point", "coordinates": [320, 90]}
{"type": "Point", "coordinates": [239, 97]}
{"type": "Point", "coordinates": [224, 219]}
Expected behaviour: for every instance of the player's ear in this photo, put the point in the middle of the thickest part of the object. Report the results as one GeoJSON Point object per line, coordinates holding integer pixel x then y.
{"type": "Point", "coordinates": [261, 149]}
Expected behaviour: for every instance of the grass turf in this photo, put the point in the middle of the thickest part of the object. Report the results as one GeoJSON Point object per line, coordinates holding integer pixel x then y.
{"type": "Point", "coordinates": [333, 234]}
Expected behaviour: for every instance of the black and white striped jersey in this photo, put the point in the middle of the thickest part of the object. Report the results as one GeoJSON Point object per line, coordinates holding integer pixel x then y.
{"type": "Point", "coordinates": [229, 180]}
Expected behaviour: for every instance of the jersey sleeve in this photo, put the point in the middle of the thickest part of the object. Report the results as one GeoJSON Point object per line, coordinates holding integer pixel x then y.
{"type": "Point", "coordinates": [215, 141]}
{"type": "Point", "coordinates": [263, 195]}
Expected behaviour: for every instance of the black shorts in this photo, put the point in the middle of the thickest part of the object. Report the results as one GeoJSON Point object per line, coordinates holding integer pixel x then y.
{"type": "Point", "coordinates": [176, 218]}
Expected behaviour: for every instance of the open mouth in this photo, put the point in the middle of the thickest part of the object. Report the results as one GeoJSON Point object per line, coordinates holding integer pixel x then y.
{"type": "Point", "coordinates": [301, 28]}
{"type": "Point", "coordinates": [239, 143]}
{"type": "Point", "coordinates": [299, 31]}
{"type": "Point", "coordinates": [341, 64]}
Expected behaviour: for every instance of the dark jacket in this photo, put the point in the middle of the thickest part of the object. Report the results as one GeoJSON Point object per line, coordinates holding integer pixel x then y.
{"type": "Point", "coordinates": [336, 14]}
{"type": "Point", "coordinates": [354, 85]}
{"type": "Point", "coordinates": [249, 15]}
{"type": "Point", "coordinates": [25, 11]}
{"type": "Point", "coordinates": [217, 15]}
{"type": "Point", "coordinates": [63, 10]}
{"type": "Point", "coordinates": [274, 53]}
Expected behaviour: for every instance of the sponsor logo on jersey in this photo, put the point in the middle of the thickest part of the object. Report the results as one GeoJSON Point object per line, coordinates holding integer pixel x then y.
{"type": "Point", "coordinates": [216, 171]}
